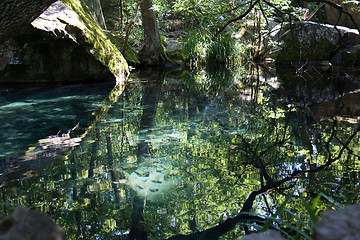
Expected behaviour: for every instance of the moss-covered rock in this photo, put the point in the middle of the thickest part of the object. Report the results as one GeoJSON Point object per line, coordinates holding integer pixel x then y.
{"type": "Point", "coordinates": [102, 48]}
{"type": "Point", "coordinates": [64, 44]}
{"type": "Point", "coordinates": [297, 52]}
{"type": "Point", "coordinates": [128, 53]}
{"type": "Point", "coordinates": [315, 43]}
{"type": "Point", "coordinates": [178, 56]}
{"type": "Point", "coordinates": [176, 52]}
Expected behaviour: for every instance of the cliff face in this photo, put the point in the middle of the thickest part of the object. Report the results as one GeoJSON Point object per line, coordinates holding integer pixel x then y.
{"type": "Point", "coordinates": [64, 44]}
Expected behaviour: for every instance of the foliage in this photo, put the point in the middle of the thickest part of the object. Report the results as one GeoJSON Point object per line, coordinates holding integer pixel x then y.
{"type": "Point", "coordinates": [205, 51]}
{"type": "Point", "coordinates": [299, 223]}
{"type": "Point", "coordinates": [128, 53]}
{"type": "Point", "coordinates": [208, 44]}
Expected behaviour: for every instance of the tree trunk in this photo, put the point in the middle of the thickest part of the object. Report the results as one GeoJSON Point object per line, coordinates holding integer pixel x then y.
{"type": "Point", "coordinates": [96, 12]}
{"type": "Point", "coordinates": [152, 52]}
{"type": "Point", "coordinates": [15, 14]}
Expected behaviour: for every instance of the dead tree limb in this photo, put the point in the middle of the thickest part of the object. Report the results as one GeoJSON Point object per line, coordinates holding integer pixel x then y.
{"type": "Point", "coordinates": [128, 29]}
{"type": "Point", "coordinates": [315, 11]}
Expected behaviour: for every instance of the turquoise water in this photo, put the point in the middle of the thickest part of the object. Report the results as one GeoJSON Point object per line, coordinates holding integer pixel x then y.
{"type": "Point", "coordinates": [30, 114]}
{"type": "Point", "coordinates": [177, 155]}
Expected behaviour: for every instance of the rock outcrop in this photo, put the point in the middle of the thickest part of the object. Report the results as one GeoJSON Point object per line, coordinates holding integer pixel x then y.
{"type": "Point", "coordinates": [343, 224]}
{"type": "Point", "coordinates": [320, 44]}
{"type": "Point", "coordinates": [15, 14]}
{"type": "Point", "coordinates": [64, 44]}
{"type": "Point", "coordinates": [30, 225]}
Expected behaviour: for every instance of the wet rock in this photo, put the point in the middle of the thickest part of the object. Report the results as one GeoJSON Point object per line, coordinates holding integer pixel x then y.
{"type": "Point", "coordinates": [268, 235]}
{"type": "Point", "coordinates": [153, 189]}
{"type": "Point", "coordinates": [141, 173]}
{"type": "Point", "coordinates": [315, 43]}
{"type": "Point", "coordinates": [156, 181]}
{"type": "Point", "coordinates": [30, 225]}
{"type": "Point", "coordinates": [61, 45]}
{"type": "Point", "coordinates": [339, 225]}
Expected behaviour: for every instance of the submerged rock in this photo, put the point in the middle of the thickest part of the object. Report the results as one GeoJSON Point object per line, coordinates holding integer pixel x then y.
{"type": "Point", "coordinates": [339, 225]}
{"type": "Point", "coordinates": [64, 44]}
{"type": "Point", "coordinates": [318, 44]}
{"type": "Point", "coordinates": [29, 225]}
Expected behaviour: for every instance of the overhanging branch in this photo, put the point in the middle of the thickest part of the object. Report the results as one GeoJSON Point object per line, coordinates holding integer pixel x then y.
{"type": "Point", "coordinates": [339, 8]}
{"type": "Point", "coordinates": [252, 5]}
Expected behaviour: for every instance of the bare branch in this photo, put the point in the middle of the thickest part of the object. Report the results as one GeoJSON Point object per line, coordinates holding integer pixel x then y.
{"type": "Point", "coordinates": [339, 8]}
{"type": "Point", "coordinates": [252, 5]}
{"type": "Point", "coordinates": [315, 11]}
{"type": "Point", "coordinates": [129, 27]}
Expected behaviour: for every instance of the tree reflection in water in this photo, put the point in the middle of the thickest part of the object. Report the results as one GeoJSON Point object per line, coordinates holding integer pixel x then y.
{"type": "Point", "coordinates": [149, 103]}
{"type": "Point", "coordinates": [204, 155]}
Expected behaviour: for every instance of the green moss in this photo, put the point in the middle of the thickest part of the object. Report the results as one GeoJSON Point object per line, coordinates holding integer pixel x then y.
{"type": "Point", "coordinates": [128, 53]}
{"type": "Point", "coordinates": [178, 55]}
{"type": "Point", "coordinates": [98, 44]}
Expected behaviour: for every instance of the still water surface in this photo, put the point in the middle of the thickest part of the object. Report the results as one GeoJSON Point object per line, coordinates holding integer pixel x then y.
{"type": "Point", "coordinates": [180, 154]}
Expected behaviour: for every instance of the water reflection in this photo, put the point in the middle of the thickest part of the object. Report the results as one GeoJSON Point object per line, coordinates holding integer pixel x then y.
{"type": "Point", "coordinates": [190, 154]}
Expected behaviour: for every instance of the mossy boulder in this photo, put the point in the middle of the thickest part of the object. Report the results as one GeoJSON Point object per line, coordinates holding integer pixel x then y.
{"type": "Point", "coordinates": [103, 49]}
{"type": "Point", "coordinates": [315, 44]}
{"type": "Point", "coordinates": [126, 50]}
{"type": "Point", "coordinates": [312, 52]}
{"type": "Point", "coordinates": [176, 52]}
{"type": "Point", "coordinates": [64, 44]}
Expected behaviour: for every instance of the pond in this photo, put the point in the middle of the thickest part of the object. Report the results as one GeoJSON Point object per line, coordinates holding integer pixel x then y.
{"type": "Point", "coordinates": [183, 154]}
